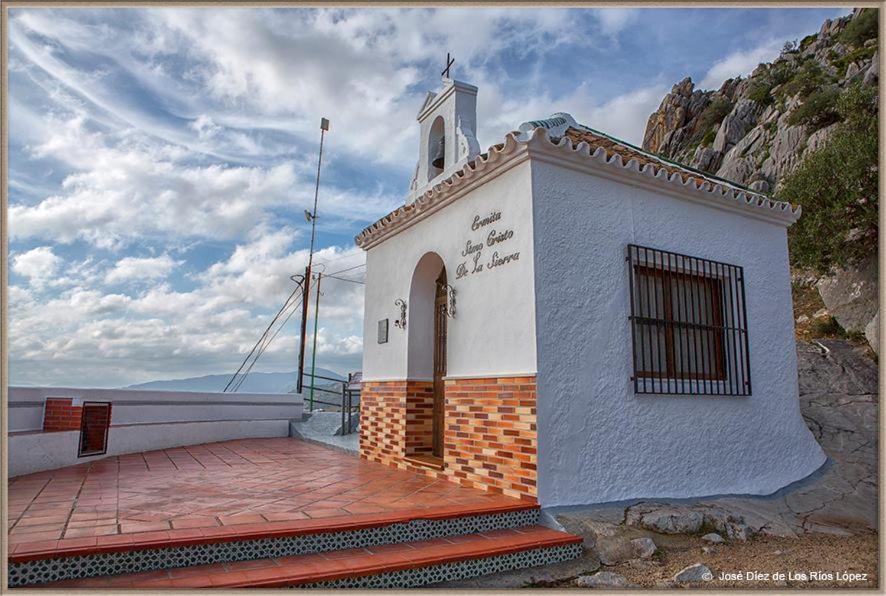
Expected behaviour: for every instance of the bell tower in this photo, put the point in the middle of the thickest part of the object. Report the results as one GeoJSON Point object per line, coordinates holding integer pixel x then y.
{"type": "Point", "coordinates": [448, 138]}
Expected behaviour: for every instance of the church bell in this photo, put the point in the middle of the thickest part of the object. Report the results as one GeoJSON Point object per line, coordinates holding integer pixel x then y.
{"type": "Point", "coordinates": [439, 155]}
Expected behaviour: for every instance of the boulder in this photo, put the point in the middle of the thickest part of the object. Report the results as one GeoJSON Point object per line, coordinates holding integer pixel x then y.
{"type": "Point", "coordinates": [619, 548]}
{"type": "Point", "coordinates": [693, 574]}
{"type": "Point", "coordinates": [713, 538]}
{"type": "Point", "coordinates": [729, 523]}
{"type": "Point", "coordinates": [851, 295]}
{"type": "Point", "coordinates": [872, 74]}
{"type": "Point", "coordinates": [665, 519]}
{"type": "Point", "coordinates": [644, 547]}
{"type": "Point", "coordinates": [604, 579]}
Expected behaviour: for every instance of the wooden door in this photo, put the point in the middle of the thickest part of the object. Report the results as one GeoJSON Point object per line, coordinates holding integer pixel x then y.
{"type": "Point", "coordinates": [440, 318]}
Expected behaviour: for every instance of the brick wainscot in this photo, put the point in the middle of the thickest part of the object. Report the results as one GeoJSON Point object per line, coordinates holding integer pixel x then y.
{"type": "Point", "coordinates": [489, 430]}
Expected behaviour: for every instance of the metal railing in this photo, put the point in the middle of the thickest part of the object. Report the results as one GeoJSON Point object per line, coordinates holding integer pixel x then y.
{"type": "Point", "coordinates": [689, 324]}
{"type": "Point", "coordinates": [348, 392]}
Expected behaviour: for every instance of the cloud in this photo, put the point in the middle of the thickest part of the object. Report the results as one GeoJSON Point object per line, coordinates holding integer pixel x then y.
{"type": "Point", "coordinates": [101, 337]}
{"type": "Point", "coordinates": [142, 269]}
{"type": "Point", "coordinates": [623, 116]}
{"type": "Point", "coordinates": [119, 192]}
{"type": "Point", "coordinates": [615, 20]}
{"type": "Point", "coordinates": [39, 265]}
{"type": "Point", "coordinates": [740, 63]}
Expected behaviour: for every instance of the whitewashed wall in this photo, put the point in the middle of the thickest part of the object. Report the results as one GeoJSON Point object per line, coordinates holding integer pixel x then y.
{"type": "Point", "coordinates": [600, 442]}
{"type": "Point", "coordinates": [493, 332]}
{"type": "Point", "coordinates": [143, 420]}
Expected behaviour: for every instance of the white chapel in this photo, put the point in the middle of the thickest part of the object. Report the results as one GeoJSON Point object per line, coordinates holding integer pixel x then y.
{"type": "Point", "coordinates": [568, 319]}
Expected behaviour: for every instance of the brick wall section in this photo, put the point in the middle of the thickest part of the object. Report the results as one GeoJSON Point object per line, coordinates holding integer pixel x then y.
{"type": "Point", "coordinates": [419, 418]}
{"type": "Point", "coordinates": [383, 421]}
{"type": "Point", "coordinates": [489, 430]}
{"type": "Point", "coordinates": [59, 415]}
{"type": "Point", "coordinates": [490, 437]}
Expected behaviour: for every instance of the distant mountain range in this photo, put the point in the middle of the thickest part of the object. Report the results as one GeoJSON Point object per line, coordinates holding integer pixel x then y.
{"type": "Point", "coordinates": [256, 382]}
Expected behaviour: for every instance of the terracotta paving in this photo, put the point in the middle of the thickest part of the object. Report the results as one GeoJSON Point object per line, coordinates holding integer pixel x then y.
{"type": "Point", "coordinates": [324, 566]}
{"type": "Point", "coordinates": [203, 492]}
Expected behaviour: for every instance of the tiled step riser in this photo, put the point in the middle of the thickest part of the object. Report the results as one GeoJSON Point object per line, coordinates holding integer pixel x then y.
{"type": "Point", "coordinates": [433, 574]}
{"type": "Point", "coordinates": [134, 561]}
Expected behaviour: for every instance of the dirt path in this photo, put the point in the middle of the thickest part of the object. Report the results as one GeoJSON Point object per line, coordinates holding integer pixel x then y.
{"type": "Point", "coordinates": [841, 562]}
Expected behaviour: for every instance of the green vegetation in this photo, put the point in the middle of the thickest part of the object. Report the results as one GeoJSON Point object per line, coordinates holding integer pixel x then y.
{"type": "Point", "coordinates": [819, 109]}
{"type": "Point", "coordinates": [860, 29]}
{"type": "Point", "coordinates": [760, 91]}
{"type": "Point", "coordinates": [809, 78]}
{"type": "Point", "coordinates": [761, 87]}
{"type": "Point", "coordinates": [709, 120]}
{"type": "Point", "coordinates": [709, 137]}
{"type": "Point", "coordinates": [854, 56]}
{"type": "Point", "coordinates": [806, 41]}
{"type": "Point", "coordinates": [837, 187]}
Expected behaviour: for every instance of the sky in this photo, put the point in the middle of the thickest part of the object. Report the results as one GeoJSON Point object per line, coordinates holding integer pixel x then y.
{"type": "Point", "coordinates": [160, 160]}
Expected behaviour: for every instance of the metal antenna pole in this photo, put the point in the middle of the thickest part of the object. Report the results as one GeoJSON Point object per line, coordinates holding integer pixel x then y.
{"type": "Point", "coordinates": [324, 126]}
{"type": "Point", "coordinates": [314, 348]}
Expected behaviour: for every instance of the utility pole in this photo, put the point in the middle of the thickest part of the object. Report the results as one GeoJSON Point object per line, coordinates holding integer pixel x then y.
{"type": "Point", "coordinates": [314, 348]}
{"type": "Point", "coordinates": [311, 216]}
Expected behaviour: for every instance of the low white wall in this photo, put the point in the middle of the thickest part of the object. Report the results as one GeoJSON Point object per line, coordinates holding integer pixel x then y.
{"type": "Point", "coordinates": [142, 420]}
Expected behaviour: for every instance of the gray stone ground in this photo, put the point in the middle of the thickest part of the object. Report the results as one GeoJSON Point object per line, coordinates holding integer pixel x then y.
{"type": "Point", "coordinates": [322, 427]}
{"type": "Point", "coordinates": [838, 400]}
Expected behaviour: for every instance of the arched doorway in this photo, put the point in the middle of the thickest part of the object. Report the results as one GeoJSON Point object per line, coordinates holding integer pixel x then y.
{"type": "Point", "coordinates": [426, 362]}
{"type": "Point", "coordinates": [440, 317]}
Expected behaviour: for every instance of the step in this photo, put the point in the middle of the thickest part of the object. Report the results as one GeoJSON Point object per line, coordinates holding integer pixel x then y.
{"type": "Point", "coordinates": [38, 563]}
{"type": "Point", "coordinates": [390, 566]}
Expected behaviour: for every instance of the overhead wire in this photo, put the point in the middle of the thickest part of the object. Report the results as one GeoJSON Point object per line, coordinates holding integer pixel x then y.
{"type": "Point", "coordinates": [263, 336]}
{"type": "Point", "coordinates": [265, 345]}
{"type": "Point", "coordinates": [344, 270]}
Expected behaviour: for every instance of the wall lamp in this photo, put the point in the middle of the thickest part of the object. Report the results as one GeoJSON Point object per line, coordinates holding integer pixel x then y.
{"type": "Point", "coordinates": [450, 308]}
{"type": "Point", "coordinates": [401, 322]}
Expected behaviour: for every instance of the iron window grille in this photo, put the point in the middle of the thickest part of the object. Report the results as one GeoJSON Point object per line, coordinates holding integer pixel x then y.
{"type": "Point", "coordinates": [688, 324]}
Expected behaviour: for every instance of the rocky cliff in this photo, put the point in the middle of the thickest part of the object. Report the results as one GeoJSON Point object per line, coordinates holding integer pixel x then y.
{"type": "Point", "coordinates": [802, 128]}
{"type": "Point", "coordinates": [756, 130]}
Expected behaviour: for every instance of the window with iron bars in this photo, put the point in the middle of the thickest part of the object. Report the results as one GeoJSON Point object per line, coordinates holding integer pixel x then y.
{"type": "Point", "coordinates": [688, 324]}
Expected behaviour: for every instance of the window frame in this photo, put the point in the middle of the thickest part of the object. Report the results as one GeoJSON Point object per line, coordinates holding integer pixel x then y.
{"type": "Point", "coordinates": [715, 353]}
{"type": "Point", "coordinates": [671, 325]}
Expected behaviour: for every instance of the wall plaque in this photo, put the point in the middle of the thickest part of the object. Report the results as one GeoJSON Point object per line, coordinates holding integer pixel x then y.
{"type": "Point", "coordinates": [383, 331]}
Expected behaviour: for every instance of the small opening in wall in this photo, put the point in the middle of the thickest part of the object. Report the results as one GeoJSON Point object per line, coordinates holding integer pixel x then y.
{"type": "Point", "coordinates": [436, 149]}
{"type": "Point", "coordinates": [94, 425]}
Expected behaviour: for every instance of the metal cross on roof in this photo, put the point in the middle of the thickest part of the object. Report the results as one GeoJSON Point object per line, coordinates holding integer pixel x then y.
{"type": "Point", "coordinates": [449, 63]}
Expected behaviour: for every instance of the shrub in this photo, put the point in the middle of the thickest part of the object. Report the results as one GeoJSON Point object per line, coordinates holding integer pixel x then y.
{"type": "Point", "coordinates": [810, 77]}
{"type": "Point", "coordinates": [710, 118]}
{"type": "Point", "coordinates": [760, 91]}
{"type": "Point", "coordinates": [861, 28]}
{"type": "Point", "coordinates": [837, 187]}
{"type": "Point", "coordinates": [819, 109]}
{"type": "Point", "coordinates": [709, 137]}
{"type": "Point", "coordinates": [804, 43]}
{"type": "Point", "coordinates": [854, 56]}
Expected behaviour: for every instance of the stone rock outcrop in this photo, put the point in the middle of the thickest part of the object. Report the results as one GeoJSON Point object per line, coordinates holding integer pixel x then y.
{"type": "Point", "coordinates": [664, 518]}
{"type": "Point", "coordinates": [693, 574]}
{"type": "Point", "coordinates": [754, 142]}
{"type": "Point", "coordinates": [851, 295]}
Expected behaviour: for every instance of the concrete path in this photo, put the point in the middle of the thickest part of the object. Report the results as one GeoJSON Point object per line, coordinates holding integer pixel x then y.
{"type": "Point", "coordinates": [323, 427]}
